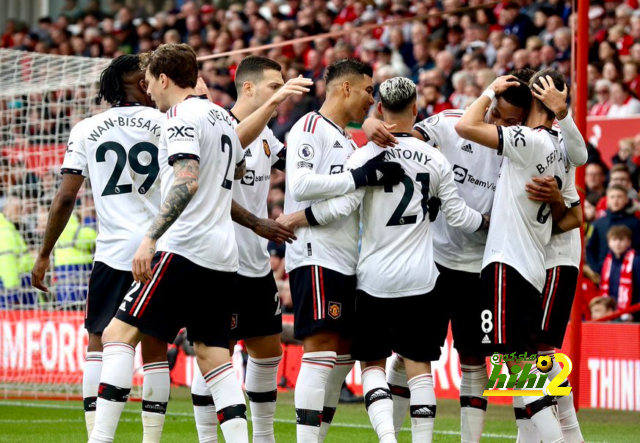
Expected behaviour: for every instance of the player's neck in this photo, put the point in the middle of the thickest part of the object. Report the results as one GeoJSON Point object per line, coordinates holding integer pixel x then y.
{"type": "Point", "coordinates": [241, 109]}
{"type": "Point", "coordinates": [537, 119]}
{"type": "Point", "coordinates": [402, 125]}
{"type": "Point", "coordinates": [334, 111]}
{"type": "Point", "coordinates": [179, 95]}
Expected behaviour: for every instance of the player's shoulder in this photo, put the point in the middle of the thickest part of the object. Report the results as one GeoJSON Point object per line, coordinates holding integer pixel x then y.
{"type": "Point", "coordinates": [444, 118]}
{"type": "Point", "coordinates": [309, 123]}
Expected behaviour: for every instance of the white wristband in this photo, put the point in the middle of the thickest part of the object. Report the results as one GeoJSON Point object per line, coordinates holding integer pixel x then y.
{"type": "Point", "coordinates": [490, 93]}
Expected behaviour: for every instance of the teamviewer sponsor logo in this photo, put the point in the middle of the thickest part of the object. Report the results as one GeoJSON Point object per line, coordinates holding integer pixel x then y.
{"type": "Point", "coordinates": [249, 178]}
{"type": "Point", "coordinates": [459, 173]}
{"type": "Point", "coordinates": [336, 169]}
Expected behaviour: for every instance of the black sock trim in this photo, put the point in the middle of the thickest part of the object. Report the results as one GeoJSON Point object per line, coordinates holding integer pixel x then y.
{"type": "Point", "coordinates": [564, 384]}
{"type": "Point", "coordinates": [113, 393]}
{"type": "Point", "coordinates": [423, 411]}
{"type": "Point", "coordinates": [202, 400]}
{"type": "Point", "coordinates": [540, 405]}
{"type": "Point", "coordinates": [90, 404]}
{"type": "Point", "coordinates": [400, 391]}
{"type": "Point", "coordinates": [232, 412]}
{"type": "Point", "coordinates": [468, 401]}
{"type": "Point", "coordinates": [155, 407]}
{"type": "Point", "coordinates": [308, 417]}
{"type": "Point", "coordinates": [521, 414]}
{"type": "Point", "coordinates": [263, 397]}
{"type": "Point", "coordinates": [327, 414]}
{"type": "Point", "coordinates": [376, 394]}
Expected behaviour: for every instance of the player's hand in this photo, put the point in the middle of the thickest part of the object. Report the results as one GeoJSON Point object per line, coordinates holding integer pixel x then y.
{"type": "Point", "coordinates": [503, 83]}
{"type": "Point", "coordinates": [274, 231]}
{"type": "Point", "coordinates": [378, 132]}
{"type": "Point", "coordinates": [377, 172]}
{"type": "Point", "coordinates": [295, 86]}
{"type": "Point", "coordinates": [38, 272]}
{"type": "Point", "coordinates": [292, 221]}
{"type": "Point", "coordinates": [553, 99]}
{"type": "Point", "coordinates": [544, 189]}
{"type": "Point", "coordinates": [202, 89]}
{"type": "Point", "coordinates": [141, 267]}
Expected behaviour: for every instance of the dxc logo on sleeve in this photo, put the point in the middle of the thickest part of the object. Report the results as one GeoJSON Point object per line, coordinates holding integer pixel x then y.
{"type": "Point", "coordinates": [181, 131]}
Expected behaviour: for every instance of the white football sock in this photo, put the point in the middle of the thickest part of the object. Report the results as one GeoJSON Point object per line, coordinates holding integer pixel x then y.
{"type": "Point", "coordinates": [113, 393]}
{"type": "Point", "coordinates": [230, 403]}
{"type": "Point", "coordinates": [90, 382]}
{"type": "Point", "coordinates": [204, 409]}
{"type": "Point", "coordinates": [566, 409]}
{"type": "Point", "coordinates": [543, 415]}
{"type": "Point", "coordinates": [156, 387]}
{"type": "Point", "coordinates": [423, 408]}
{"type": "Point", "coordinates": [473, 406]}
{"type": "Point", "coordinates": [310, 393]}
{"type": "Point", "coordinates": [379, 403]}
{"type": "Point", "coordinates": [261, 385]}
{"type": "Point", "coordinates": [344, 364]}
{"type": "Point", "coordinates": [527, 432]}
{"type": "Point", "coordinates": [397, 380]}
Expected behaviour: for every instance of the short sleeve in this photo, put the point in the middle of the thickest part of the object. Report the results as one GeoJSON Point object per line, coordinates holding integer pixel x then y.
{"type": "Point", "coordinates": [182, 139]}
{"type": "Point", "coordinates": [517, 144]}
{"type": "Point", "coordinates": [75, 159]}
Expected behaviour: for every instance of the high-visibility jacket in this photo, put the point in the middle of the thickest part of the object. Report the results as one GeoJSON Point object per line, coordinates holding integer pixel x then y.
{"type": "Point", "coordinates": [15, 258]}
{"type": "Point", "coordinates": [75, 245]}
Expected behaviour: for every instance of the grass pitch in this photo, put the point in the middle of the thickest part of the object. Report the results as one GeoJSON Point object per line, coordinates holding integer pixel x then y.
{"type": "Point", "coordinates": [27, 421]}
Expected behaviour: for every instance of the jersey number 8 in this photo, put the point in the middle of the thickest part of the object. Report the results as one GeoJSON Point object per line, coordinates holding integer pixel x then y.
{"type": "Point", "coordinates": [150, 170]}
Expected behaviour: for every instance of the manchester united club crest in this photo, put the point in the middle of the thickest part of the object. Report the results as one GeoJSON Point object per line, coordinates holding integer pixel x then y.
{"type": "Point", "coordinates": [234, 321]}
{"type": "Point", "coordinates": [267, 149]}
{"type": "Point", "coordinates": [335, 310]}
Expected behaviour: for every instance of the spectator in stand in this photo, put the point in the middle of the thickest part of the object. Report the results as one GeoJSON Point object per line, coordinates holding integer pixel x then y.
{"type": "Point", "coordinates": [620, 175]}
{"type": "Point", "coordinates": [625, 156]}
{"type": "Point", "coordinates": [623, 104]}
{"type": "Point", "coordinates": [432, 102]}
{"type": "Point", "coordinates": [630, 76]}
{"type": "Point", "coordinates": [620, 276]}
{"type": "Point", "coordinates": [597, 248]}
{"type": "Point", "coordinates": [603, 98]}
{"type": "Point", "coordinates": [601, 307]}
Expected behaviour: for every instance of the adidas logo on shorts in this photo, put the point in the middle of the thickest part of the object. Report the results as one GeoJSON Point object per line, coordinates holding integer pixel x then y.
{"type": "Point", "coordinates": [486, 340]}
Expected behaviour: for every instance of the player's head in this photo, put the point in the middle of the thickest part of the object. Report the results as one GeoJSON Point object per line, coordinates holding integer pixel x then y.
{"type": "Point", "coordinates": [558, 81]}
{"type": "Point", "coordinates": [398, 99]}
{"type": "Point", "coordinates": [122, 81]}
{"type": "Point", "coordinates": [257, 79]}
{"type": "Point", "coordinates": [169, 68]}
{"type": "Point", "coordinates": [350, 81]}
{"type": "Point", "coordinates": [511, 107]}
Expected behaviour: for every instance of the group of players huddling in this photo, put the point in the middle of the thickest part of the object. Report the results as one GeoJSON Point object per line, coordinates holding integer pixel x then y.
{"type": "Point", "coordinates": [170, 182]}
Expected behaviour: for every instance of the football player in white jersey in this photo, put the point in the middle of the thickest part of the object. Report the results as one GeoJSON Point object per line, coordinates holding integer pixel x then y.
{"type": "Point", "coordinates": [396, 241]}
{"type": "Point", "coordinates": [118, 151]}
{"type": "Point", "coordinates": [513, 273]}
{"type": "Point", "coordinates": [322, 262]}
{"type": "Point", "coordinates": [193, 234]}
{"type": "Point", "coordinates": [256, 313]}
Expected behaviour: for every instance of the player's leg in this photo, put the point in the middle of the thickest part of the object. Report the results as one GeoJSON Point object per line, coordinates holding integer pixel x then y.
{"type": "Point", "coordinates": [558, 295]}
{"type": "Point", "coordinates": [257, 319]}
{"type": "Point", "coordinates": [208, 323]}
{"type": "Point", "coordinates": [378, 400]}
{"type": "Point", "coordinates": [527, 432]}
{"type": "Point", "coordinates": [156, 387]}
{"type": "Point", "coordinates": [322, 300]}
{"type": "Point", "coordinates": [91, 379]}
{"type": "Point", "coordinates": [204, 409]}
{"type": "Point", "coordinates": [119, 342]}
{"type": "Point", "coordinates": [397, 381]}
{"type": "Point", "coordinates": [422, 401]}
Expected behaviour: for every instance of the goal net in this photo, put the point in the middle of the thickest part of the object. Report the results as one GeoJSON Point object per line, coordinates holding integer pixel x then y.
{"type": "Point", "coordinates": [42, 338]}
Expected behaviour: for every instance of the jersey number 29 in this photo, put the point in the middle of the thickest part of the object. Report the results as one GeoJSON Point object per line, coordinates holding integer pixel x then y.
{"type": "Point", "coordinates": [151, 170]}
{"type": "Point", "coordinates": [397, 218]}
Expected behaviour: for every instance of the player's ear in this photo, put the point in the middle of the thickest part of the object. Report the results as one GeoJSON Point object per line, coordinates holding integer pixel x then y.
{"type": "Point", "coordinates": [247, 88]}
{"type": "Point", "coordinates": [164, 81]}
{"type": "Point", "coordinates": [379, 107]}
{"type": "Point", "coordinates": [346, 89]}
{"type": "Point", "coordinates": [142, 84]}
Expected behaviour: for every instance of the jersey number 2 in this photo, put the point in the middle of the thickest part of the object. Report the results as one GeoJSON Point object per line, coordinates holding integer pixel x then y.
{"type": "Point", "coordinates": [151, 170]}
{"type": "Point", "coordinates": [397, 218]}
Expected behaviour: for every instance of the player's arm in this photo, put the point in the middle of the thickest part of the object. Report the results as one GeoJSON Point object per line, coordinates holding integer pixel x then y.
{"type": "Point", "coordinates": [61, 209]}
{"type": "Point", "coordinates": [241, 170]}
{"type": "Point", "coordinates": [184, 187]}
{"type": "Point", "coordinates": [572, 219]}
{"type": "Point", "coordinates": [251, 127]}
{"type": "Point", "coordinates": [456, 211]}
{"type": "Point", "coordinates": [378, 132]}
{"type": "Point", "coordinates": [324, 212]}
{"type": "Point", "coordinates": [556, 101]}
{"type": "Point", "coordinates": [471, 125]}
{"type": "Point", "coordinates": [264, 227]}
{"type": "Point", "coordinates": [545, 190]}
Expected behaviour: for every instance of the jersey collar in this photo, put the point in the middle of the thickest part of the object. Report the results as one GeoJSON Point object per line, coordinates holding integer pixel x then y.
{"type": "Point", "coordinates": [332, 124]}
{"type": "Point", "coordinates": [550, 131]}
{"type": "Point", "coordinates": [402, 134]}
{"type": "Point", "coordinates": [127, 104]}
{"type": "Point", "coordinates": [233, 115]}
{"type": "Point", "coordinates": [201, 97]}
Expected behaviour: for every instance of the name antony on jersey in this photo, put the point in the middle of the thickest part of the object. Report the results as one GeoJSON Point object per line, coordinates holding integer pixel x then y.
{"type": "Point", "coordinates": [125, 122]}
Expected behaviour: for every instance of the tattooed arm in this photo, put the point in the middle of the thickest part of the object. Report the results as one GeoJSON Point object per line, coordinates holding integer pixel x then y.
{"type": "Point", "coordinates": [184, 187]}
{"type": "Point", "coordinates": [264, 227]}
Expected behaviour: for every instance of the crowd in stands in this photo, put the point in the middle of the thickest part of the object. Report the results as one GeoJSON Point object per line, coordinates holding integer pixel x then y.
{"type": "Point", "coordinates": [452, 56]}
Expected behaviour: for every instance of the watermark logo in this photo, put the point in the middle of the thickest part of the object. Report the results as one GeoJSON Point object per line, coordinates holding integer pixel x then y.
{"type": "Point", "coordinates": [520, 382]}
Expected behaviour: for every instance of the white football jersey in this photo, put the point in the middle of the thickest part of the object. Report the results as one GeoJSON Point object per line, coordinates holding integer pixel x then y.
{"type": "Point", "coordinates": [475, 173]}
{"type": "Point", "coordinates": [118, 151]}
{"type": "Point", "coordinates": [203, 233]}
{"type": "Point", "coordinates": [521, 228]}
{"type": "Point", "coordinates": [251, 193]}
{"type": "Point", "coordinates": [396, 259]}
{"type": "Point", "coordinates": [317, 150]}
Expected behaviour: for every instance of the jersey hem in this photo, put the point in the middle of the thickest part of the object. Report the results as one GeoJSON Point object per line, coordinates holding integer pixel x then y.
{"type": "Point", "coordinates": [198, 261]}
{"type": "Point", "coordinates": [458, 266]}
{"type": "Point", "coordinates": [408, 293]}
{"type": "Point", "coordinates": [322, 263]}
{"type": "Point", "coordinates": [119, 266]}
{"type": "Point", "coordinates": [536, 283]}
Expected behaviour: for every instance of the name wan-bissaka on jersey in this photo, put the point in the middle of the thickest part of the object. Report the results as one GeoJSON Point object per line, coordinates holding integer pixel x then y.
{"type": "Point", "coordinates": [127, 122]}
